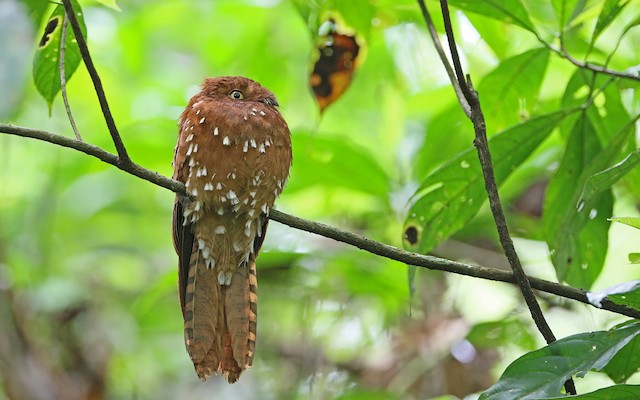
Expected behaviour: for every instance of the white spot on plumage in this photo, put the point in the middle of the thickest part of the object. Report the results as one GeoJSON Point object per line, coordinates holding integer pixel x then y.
{"type": "Point", "coordinates": [245, 118]}
{"type": "Point", "coordinates": [253, 143]}
{"type": "Point", "coordinates": [190, 137]}
{"type": "Point", "coordinates": [219, 186]}
{"type": "Point", "coordinates": [223, 199]}
{"type": "Point", "coordinates": [194, 192]}
{"type": "Point", "coordinates": [245, 148]}
{"type": "Point", "coordinates": [265, 209]}
{"type": "Point", "coordinates": [192, 162]}
{"type": "Point", "coordinates": [220, 211]}
{"type": "Point", "coordinates": [237, 246]}
{"type": "Point", "coordinates": [195, 148]}
{"type": "Point", "coordinates": [251, 212]}
{"type": "Point", "coordinates": [252, 194]}
{"type": "Point", "coordinates": [197, 206]}
{"type": "Point", "coordinates": [247, 228]}
{"type": "Point", "coordinates": [210, 262]}
{"type": "Point", "coordinates": [204, 171]}
{"type": "Point", "coordinates": [199, 172]}
{"type": "Point", "coordinates": [201, 244]}
{"type": "Point", "coordinates": [261, 148]}
{"type": "Point", "coordinates": [201, 120]}
{"type": "Point", "coordinates": [262, 113]}
{"type": "Point", "coordinates": [220, 230]}
{"type": "Point", "coordinates": [267, 142]}
{"type": "Point", "coordinates": [233, 198]}
{"type": "Point", "coordinates": [279, 183]}
{"type": "Point", "coordinates": [197, 113]}
{"type": "Point", "coordinates": [190, 149]}
{"type": "Point", "coordinates": [208, 187]}
{"type": "Point", "coordinates": [226, 141]}
{"type": "Point", "coordinates": [224, 278]}
{"type": "Point", "coordinates": [215, 131]}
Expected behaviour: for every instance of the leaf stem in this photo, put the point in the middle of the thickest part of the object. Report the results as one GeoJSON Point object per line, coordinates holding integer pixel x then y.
{"type": "Point", "coordinates": [63, 78]}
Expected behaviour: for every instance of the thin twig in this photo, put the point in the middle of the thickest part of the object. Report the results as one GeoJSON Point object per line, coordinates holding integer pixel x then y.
{"type": "Point", "coordinates": [443, 57]}
{"type": "Point", "coordinates": [482, 145]}
{"type": "Point", "coordinates": [63, 78]}
{"type": "Point", "coordinates": [328, 231]}
{"type": "Point", "coordinates": [102, 98]}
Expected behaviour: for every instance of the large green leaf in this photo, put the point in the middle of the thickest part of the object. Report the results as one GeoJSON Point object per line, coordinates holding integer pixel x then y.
{"type": "Point", "coordinates": [617, 392]}
{"type": "Point", "coordinates": [576, 227]}
{"type": "Point", "coordinates": [46, 64]}
{"type": "Point", "coordinates": [625, 363]}
{"type": "Point", "coordinates": [509, 92]}
{"type": "Point", "coordinates": [511, 11]}
{"type": "Point", "coordinates": [631, 221]}
{"type": "Point", "coordinates": [450, 197]}
{"type": "Point", "coordinates": [540, 374]}
{"type": "Point", "coordinates": [335, 162]}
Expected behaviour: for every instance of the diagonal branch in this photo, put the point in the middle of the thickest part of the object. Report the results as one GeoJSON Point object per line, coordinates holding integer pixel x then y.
{"type": "Point", "coordinates": [328, 231]}
{"type": "Point", "coordinates": [482, 145]}
{"type": "Point", "coordinates": [97, 83]}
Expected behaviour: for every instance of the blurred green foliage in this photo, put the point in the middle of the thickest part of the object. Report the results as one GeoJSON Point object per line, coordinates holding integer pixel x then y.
{"type": "Point", "coordinates": [88, 275]}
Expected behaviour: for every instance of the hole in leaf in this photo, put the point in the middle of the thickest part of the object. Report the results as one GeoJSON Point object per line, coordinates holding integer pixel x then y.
{"type": "Point", "coordinates": [51, 27]}
{"type": "Point", "coordinates": [411, 235]}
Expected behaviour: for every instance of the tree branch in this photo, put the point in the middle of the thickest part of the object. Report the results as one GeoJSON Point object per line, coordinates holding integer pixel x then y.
{"type": "Point", "coordinates": [97, 83]}
{"type": "Point", "coordinates": [328, 231]}
{"type": "Point", "coordinates": [482, 145]}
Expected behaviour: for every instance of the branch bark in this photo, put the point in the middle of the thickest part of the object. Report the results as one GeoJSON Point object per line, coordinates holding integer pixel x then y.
{"type": "Point", "coordinates": [361, 242]}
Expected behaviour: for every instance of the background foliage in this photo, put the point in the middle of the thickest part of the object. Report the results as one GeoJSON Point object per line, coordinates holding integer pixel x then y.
{"type": "Point", "coordinates": [88, 300]}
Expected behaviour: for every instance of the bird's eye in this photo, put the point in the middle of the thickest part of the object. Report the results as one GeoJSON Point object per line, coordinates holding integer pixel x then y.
{"type": "Point", "coordinates": [236, 95]}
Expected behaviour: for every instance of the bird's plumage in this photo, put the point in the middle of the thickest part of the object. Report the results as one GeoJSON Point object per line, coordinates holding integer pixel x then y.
{"type": "Point", "coordinates": [234, 155]}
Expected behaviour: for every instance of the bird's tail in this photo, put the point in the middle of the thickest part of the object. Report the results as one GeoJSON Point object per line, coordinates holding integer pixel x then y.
{"type": "Point", "coordinates": [220, 320]}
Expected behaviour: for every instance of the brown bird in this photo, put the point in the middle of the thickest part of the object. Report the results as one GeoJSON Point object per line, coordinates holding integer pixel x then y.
{"type": "Point", "coordinates": [233, 155]}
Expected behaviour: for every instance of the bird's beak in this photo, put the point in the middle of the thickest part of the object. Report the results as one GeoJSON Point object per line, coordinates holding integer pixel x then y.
{"type": "Point", "coordinates": [270, 101]}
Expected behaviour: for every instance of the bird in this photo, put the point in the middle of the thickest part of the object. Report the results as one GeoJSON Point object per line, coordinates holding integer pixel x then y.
{"type": "Point", "coordinates": [233, 155]}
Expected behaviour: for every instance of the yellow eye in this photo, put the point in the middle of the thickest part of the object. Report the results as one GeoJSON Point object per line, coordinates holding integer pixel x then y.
{"type": "Point", "coordinates": [236, 95]}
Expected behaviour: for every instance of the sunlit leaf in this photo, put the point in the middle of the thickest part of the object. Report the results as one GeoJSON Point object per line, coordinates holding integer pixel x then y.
{"type": "Point", "coordinates": [540, 374]}
{"type": "Point", "coordinates": [449, 198]}
{"type": "Point", "coordinates": [631, 221]}
{"type": "Point", "coordinates": [511, 11]}
{"type": "Point", "coordinates": [111, 4]}
{"type": "Point", "coordinates": [46, 64]}
{"type": "Point", "coordinates": [627, 293]}
{"type": "Point", "coordinates": [634, 258]}
{"type": "Point", "coordinates": [610, 10]}
{"type": "Point", "coordinates": [509, 92]}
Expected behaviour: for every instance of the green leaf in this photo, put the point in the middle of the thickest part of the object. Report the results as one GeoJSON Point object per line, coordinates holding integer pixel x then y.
{"type": "Point", "coordinates": [540, 374]}
{"type": "Point", "coordinates": [577, 229]}
{"type": "Point", "coordinates": [509, 92]}
{"type": "Point", "coordinates": [111, 4]}
{"type": "Point", "coordinates": [631, 221]}
{"type": "Point", "coordinates": [634, 258]}
{"type": "Point", "coordinates": [610, 9]}
{"type": "Point", "coordinates": [603, 180]}
{"type": "Point", "coordinates": [618, 392]}
{"type": "Point", "coordinates": [46, 64]}
{"type": "Point", "coordinates": [625, 363]}
{"type": "Point", "coordinates": [335, 161]}
{"type": "Point", "coordinates": [495, 334]}
{"type": "Point", "coordinates": [452, 195]}
{"type": "Point", "coordinates": [37, 8]}
{"type": "Point", "coordinates": [510, 11]}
